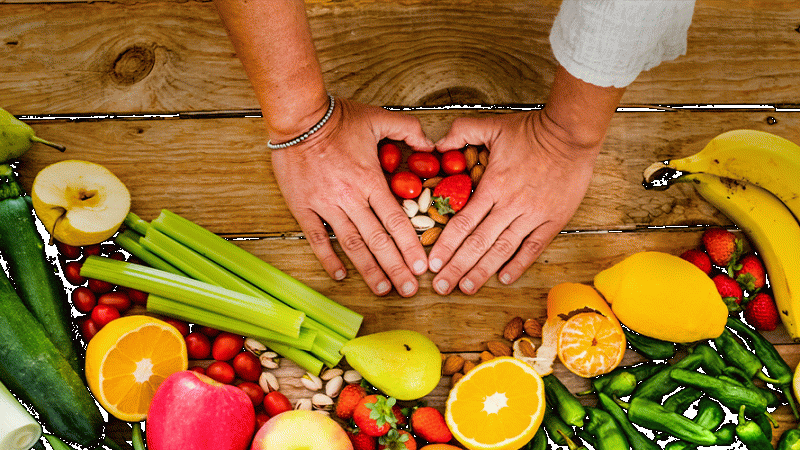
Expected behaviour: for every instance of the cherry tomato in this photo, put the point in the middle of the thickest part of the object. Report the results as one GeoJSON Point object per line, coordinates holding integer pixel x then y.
{"type": "Point", "coordinates": [210, 332]}
{"type": "Point", "coordinates": [109, 249]}
{"type": "Point", "coordinates": [226, 346]}
{"type": "Point", "coordinates": [88, 328]}
{"type": "Point", "coordinates": [423, 164]}
{"type": "Point", "coordinates": [94, 249]}
{"type": "Point", "coordinates": [182, 326]}
{"type": "Point", "coordinates": [68, 251]}
{"type": "Point", "coordinates": [103, 314]}
{"type": "Point", "coordinates": [99, 286]}
{"type": "Point", "coordinates": [453, 162]}
{"type": "Point", "coordinates": [261, 418]}
{"type": "Point", "coordinates": [253, 391]}
{"type": "Point", "coordinates": [247, 366]}
{"type": "Point", "coordinates": [221, 371]}
{"type": "Point", "coordinates": [276, 403]}
{"type": "Point", "coordinates": [198, 346]}
{"type": "Point", "coordinates": [138, 297]}
{"type": "Point", "coordinates": [119, 256]}
{"type": "Point", "coordinates": [83, 299]}
{"type": "Point", "coordinates": [117, 299]}
{"type": "Point", "coordinates": [389, 155]}
{"type": "Point", "coordinates": [198, 369]}
{"type": "Point", "coordinates": [406, 185]}
{"type": "Point", "coordinates": [72, 272]}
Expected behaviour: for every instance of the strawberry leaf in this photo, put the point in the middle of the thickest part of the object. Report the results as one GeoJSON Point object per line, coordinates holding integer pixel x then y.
{"type": "Point", "coordinates": [442, 204]}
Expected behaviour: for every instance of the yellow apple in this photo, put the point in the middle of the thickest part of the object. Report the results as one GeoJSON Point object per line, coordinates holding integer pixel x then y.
{"type": "Point", "coordinates": [301, 430]}
{"type": "Point", "coordinates": [80, 202]}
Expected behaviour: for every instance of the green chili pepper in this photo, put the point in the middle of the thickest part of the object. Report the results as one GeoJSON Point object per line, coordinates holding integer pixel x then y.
{"type": "Point", "coordinates": [623, 380]}
{"type": "Point", "coordinates": [137, 439]}
{"type": "Point", "coordinates": [726, 434]}
{"type": "Point", "coordinates": [553, 423]}
{"type": "Point", "coordinates": [680, 400]}
{"type": "Point", "coordinates": [750, 433]}
{"type": "Point", "coordinates": [563, 402]}
{"type": "Point", "coordinates": [738, 376]}
{"type": "Point", "coordinates": [736, 354]}
{"type": "Point", "coordinates": [729, 394]}
{"type": "Point", "coordinates": [769, 356]}
{"type": "Point", "coordinates": [636, 438]}
{"type": "Point", "coordinates": [790, 440]}
{"type": "Point", "coordinates": [654, 416]}
{"type": "Point", "coordinates": [605, 429]}
{"type": "Point", "coordinates": [680, 445]}
{"type": "Point", "coordinates": [649, 347]}
{"type": "Point", "coordinates": [661, 383]}
{"type": "Point", "coordinates": [538, 442]}
{"type": "Point", "coordinates": [56, 443]}
{"type": "Point", "coordinates": [571, 444]}
{"type": "Point", "coordinates": [710, 414]}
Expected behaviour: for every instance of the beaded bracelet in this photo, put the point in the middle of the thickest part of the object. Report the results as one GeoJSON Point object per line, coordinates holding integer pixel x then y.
{"type": "Point", "coordinates": [308, 133]}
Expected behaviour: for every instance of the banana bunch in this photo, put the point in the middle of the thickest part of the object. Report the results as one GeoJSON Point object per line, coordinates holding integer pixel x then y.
{"type": "Point", "coordinates": [753, 178]}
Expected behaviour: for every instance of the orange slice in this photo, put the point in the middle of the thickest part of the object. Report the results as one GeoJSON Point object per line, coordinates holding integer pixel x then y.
{"type": "Point", "coordinates": [128, 359]}
{"type": "Point", "coordinates": [590, 344]}
{"type": "Point", "coordinates": [497, 405]}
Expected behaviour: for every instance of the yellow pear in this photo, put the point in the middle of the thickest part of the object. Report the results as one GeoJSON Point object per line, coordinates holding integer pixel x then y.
{"type": "Point", "coordinates": [80, 202]}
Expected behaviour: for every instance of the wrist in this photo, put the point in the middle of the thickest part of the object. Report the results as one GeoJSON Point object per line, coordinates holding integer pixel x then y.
{"type": "Point", "coordinates": [311, 131]}
{"type": "Point", "coordinates": [289, 121]}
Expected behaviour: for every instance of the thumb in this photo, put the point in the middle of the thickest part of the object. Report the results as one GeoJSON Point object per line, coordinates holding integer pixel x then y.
{"type": "Point", "coordinates": [465, 131]}
{"type": "Point", "coordinates": [402, 127]}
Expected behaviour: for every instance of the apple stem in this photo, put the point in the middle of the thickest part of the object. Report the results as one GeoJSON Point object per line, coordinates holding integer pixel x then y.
{"type": "Point", "coordinates": [58, 147]}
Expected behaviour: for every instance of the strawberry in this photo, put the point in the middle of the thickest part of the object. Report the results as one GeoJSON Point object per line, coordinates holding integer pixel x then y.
{"type": "Point", "coordinates": [750, 273]}
{"type": "Point", "coordinates": [730, 291]}
{"type": "Point", "coordinates": [361, 441]}
{"type": "Point", "coordinates": [722, 246]}
{"type": "Point", "coordinates": [400, 415]}
{"type": "Point", "coordinates": [397, 440]}
{"type": "Point", "coordinates": [452, 193]}
{"type": "Point", "coordinates": [762, 313]}
{"type": "Point", "coordinates": [429, 424]}
{"type": "Point", "coordinates": [373, 414]}
{"type": "Point", "coordinates": [348, 399]}
{"type": "Point", "coordinates": [699, 258]}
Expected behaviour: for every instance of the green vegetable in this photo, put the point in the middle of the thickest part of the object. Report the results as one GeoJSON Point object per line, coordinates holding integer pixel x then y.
{"type": "Point", "coordinates": [636, 439]}
{"type": "Point", "coordinates": [726, 434]}
{"type": "Point", "coordinates": [130, 241]}
{"type": "Point", "coordinates": [660, 384]}
{"type": "Point", "coordinates": [680, 400]}
{"type": "Point", "coordinates": [136, 438]}
{"type": "Point", "coordinates": [623, 380]}
{"type": "Point", "coordinates": [18, 429]}
{"type": "Point", "coordinates": [36, 372]}
{"type": "Point", "coordinates": [538, 442]}
{"type": "Point", "coordinates": [736, 355]}
{"type": "Point", "coordinates": [605, 429]}
{"type": "Point", "coordinates": [790, 440]}
{"type": "Point", "coordinates": [769, 356]}
{"type": "Point", "coordinates": [17, 137]}
{"type": "Point", "coordinates": [33, 276]}
{"type": "Point", "coordinates": [56, 443]}
{"type": "Point", "coordinates": [729, 394]}
{"type": "Point", "coordinates": [571, 444]}
{"type": "Point", "coordinates": [739, 376]}
{"type": "Point", "coordinates": [710, 414]}
{"type": "Point", "coordinates": [750, 433]}
{"type": "Point", "coordinates": [649, 347]}
{"type": "Point", "coordinates": [563, 402]}
{"type": "Point", "coordinates": [654, 416]}
{"type": "Point", "coordinates": [555, 426]}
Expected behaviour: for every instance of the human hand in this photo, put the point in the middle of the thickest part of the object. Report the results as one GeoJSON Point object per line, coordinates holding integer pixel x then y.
{"type": "Point", "coordinates": [530, 189]}
{"type": "Point", "coordinates": [335, 177]}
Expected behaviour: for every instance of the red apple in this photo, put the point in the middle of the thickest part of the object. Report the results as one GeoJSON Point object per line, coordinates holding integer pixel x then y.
{"type": "Point", "coordinates": [301, 430]}
{"type": "Point", "coordinates": [191, 411]}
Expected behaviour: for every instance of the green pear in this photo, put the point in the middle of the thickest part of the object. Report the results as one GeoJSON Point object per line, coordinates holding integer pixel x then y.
{"type": "Point", "coordinates": [403, 364]}
{"type": "Point", "coordinates": [17, 137]}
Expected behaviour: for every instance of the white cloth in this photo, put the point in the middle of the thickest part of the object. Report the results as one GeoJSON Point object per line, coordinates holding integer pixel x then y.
{"type": "Point", "coordinates": [610, 42]}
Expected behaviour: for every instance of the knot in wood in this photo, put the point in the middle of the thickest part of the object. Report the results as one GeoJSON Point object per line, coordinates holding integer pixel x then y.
{"type": "Point", "coordinates": [133, 64]}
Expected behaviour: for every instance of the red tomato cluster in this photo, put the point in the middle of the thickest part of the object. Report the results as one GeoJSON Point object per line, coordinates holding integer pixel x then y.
{"type": "Point", "coordinates": [407, 182]}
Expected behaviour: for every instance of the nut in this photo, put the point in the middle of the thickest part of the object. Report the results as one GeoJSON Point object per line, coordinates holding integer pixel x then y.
{"type": "Point", "coordinates": [475, 174]}
{"type": "Point", "coordinates": [424, 200]}
{"type": "Point", "coordinates": [532, 328]}
{"type": "Point", "coordinates": [437, 217]}
{"type": "Point", "coordinates": [454, 363]}
{"type": "Point", "coordinates": [311, 382]}
{"type": "Point", "coordinates": [498, 348]}
{"type": "Point", "coordinates": [331, 374]}
{"type": "Point", "coordinates": [471, 155]}
{"type": "Point", "coordinates": [486, 356]}
{"type": "Point", "coordinates": [321, 401]}
{"type": "Point", "coordinates": [483, 157]}
{"type": "Point", "coordinates": [268, 360]}
{"type": "Point", "coordinates": [422, 223]}
{"type": "Point", "coordinates": [513, 329]}
{"type": "Point", "coordinates": [454, 379]}
{"type": "Point", "coordinates": [254, 347]}
{"type": "Point", "coordinates": [468, 365]}
{"type": "Point", "coordinates": [334, 386]}
{"type": "Point", "coordinates": [352, 376]}
{"type": "Point", "coordinates": [410, 207]}
{"type": "Point", "coordinates": [430, 236]}
{"type": "Point", "coordinates": [431, 182]}
{"type": "Point", "coordinates": [303, 404]}
{"type": "Point", "coordinates": [268, 382]}
{"type": "Point", "coordinates": [524, 347]}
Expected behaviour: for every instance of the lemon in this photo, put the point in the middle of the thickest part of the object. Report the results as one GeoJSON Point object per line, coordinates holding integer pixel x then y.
{"type": "Point", "coordinates": [796, 381]}
{"type": "Point", "coordinates": [663, 296]}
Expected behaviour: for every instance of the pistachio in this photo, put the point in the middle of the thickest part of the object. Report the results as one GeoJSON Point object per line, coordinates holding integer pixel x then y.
{"type": "Point", "coordinates": [352, 376]}
{"type": "Point", "coordinates": [424, 200]}
{"type": "Point", "coordinates": [311, 382]}
{"type": "Point", "coordinates": [268, 382]}
{"type": "Point", "coordinates": [410, 207]}
{"type": "Point", "coordinates": [303, 404]}
{"type": "Point", "coordinates": [422, 223]}
{"type": "Point", "coordinates": [330, 374]}
{"type": "Point", "coordinates": [321, 401]}
{"type": "Point", "coordinates": [268, 360]}
{"type": "Point", "coordinates": [254, 347]}
{"type": "Point", "coordinates": [334, 386]}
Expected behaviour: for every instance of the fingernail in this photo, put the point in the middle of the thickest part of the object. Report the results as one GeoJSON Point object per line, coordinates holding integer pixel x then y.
{"type": "Point", "coordinates": [436, 264]}
{"type": "Point", "coordinates": [407, 288]}
{"type": "Point", "coordinates": [505, 278]}
{"type": "Point", "coordinates": [339, 274]}
{"type": "Point", "coordinates": [443, 286]}
{"type": "Point", "coordinates": [467, 285]}
{"type": "Point", "coordinates": [383, 286]}
{"type": "Point", "coordinates": [419, 266]}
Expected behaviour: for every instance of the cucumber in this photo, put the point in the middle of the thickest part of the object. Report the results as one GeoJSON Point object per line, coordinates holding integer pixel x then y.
{"type": "Point", "coordinates": [38, 374]}
{"type": "Point", "coordinates": [33, 276]}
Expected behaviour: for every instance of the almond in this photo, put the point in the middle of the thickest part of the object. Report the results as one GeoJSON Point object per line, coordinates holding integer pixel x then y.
{"type": "Point", "coordinates": [486, 356]}
{"type": "Point", "coordinates": [454, 363]}
{"type": "Point", "coordinates": [483, 157]}
{"type": "Point", "coordinates": [468, 365]}
{"type": "Point", "coordinates": [513, 329]}
{"type": "Point", "coordinates": [532, 328]}
{"type": "Point", "coordinates": [437, 217]}
{"type": "Point", "coordinates": [526, 348]}
{"type": "Point", "coordinates": [431, 182]}
{"type": "Point", "coordinates": [429, 236]}
{"type": "Point", "coordinates": [476, 174]}
{"type": "Point", "coordinates": [454, 379]}
{"type": "Point", "coordinates": [471, 155]}
{"type": "Point", "coordinates": [498, 348]}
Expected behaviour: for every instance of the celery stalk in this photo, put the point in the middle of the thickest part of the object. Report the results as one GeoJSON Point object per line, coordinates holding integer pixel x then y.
{"type": "Point", "coordinates": [301, 358]}
{"type": "Point", "coordinates": [129, 241]}
{"type": "Point", "coordinates": [135, 223]}
{"type": "Point", "coordinates": [261, 312]}
{"type": "Point", "coordinates": [260, 273]}
{"type": "Point", "coordinates": [193, 314]}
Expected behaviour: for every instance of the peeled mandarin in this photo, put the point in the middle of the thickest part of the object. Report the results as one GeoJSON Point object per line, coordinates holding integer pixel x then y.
{"type": "Point", "coordinates": [663, 296]}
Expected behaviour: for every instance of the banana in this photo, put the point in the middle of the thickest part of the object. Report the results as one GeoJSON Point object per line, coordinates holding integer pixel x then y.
{"type": "Point", "coordinates": [772, 230]}
{"type": "Point", "coordinates": [755, 157]}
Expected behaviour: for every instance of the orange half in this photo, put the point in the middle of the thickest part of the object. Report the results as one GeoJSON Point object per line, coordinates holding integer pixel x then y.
{"type": "Point", "coordinates": [590, 344]}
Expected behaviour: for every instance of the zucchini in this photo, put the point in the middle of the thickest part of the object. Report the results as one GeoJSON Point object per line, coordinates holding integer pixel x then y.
{"type": "Point", "coordinates": [39, 375]}
{"type": "Point", "coordinates": [33, 276]}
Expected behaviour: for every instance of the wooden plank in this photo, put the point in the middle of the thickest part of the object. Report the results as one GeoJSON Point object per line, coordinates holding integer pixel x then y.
{"type": "Point", "coordinates": [167, 57]}
{"type": "Point", "coordinates": [210, 170]}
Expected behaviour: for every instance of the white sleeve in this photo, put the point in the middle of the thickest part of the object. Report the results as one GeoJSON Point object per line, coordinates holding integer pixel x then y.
{"type": "Point", "coordinates": [609, 42]}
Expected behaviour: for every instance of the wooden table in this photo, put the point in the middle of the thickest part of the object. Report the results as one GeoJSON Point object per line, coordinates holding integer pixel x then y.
{"type": "Point", "coordinates": [154, 91]}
